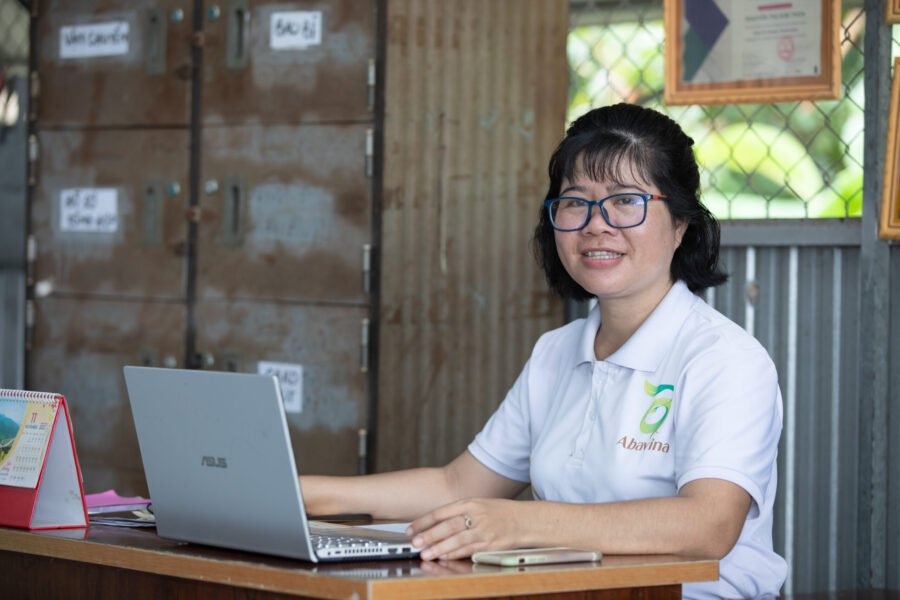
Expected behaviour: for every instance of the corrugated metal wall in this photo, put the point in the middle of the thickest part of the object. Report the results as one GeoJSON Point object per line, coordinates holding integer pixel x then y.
{"type": "Point", "coordinates": [827, 311]}
{"type": "Point", "coordinates": [475, 104]}
{"type": "Point", "coordinates": [893, 467]}
{"type": "Point", "coordinates": [437, 389]}
{"type": "Point", "coordinates": [805, 314]}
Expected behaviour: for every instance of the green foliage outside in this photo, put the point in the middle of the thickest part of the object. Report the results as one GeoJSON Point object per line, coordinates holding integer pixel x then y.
{"type": "Point", "coordinates": [788, 160]}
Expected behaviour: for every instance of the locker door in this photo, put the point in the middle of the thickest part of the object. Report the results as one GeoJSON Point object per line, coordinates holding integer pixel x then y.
{"type": "Point", "coordinates": [107, 63]}
{"type": "Point", "coordinates": [286, 213]}
{"type": "Point", "coordinates": [79, 349]}
{"type": "Point", "coordinates": [288, 62]}
{"type": "Point", "coordinates": [318, 353]}
{"type": "Point", "coordinates": [108, 213]}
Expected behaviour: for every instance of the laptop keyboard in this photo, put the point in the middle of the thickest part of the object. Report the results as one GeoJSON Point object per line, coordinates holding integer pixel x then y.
{"type": "Point", "coordinates": [347, 543]}
{"type": "Point", "coordinates": [327, 542]}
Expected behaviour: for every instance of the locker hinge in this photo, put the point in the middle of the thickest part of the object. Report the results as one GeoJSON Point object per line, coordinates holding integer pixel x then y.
{"type": "Point", "coordinates": [34, 152]}
{"type": "Point", "coordinates": [364, 346]}
{"type": "Point", "coordinates": [34, 95]}
{"type": "Point", "coordinates": [370, 151]}
{"type": "Point", "coordinates": [34, 8]}
{"type": "Point", "coordinates": [367, 268]}
{"type": "Point", "coordinates": [370, 84]}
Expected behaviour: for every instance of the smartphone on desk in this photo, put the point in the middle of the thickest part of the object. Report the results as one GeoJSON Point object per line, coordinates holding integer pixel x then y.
{"type": "Point", "coordinates": [535, 556]}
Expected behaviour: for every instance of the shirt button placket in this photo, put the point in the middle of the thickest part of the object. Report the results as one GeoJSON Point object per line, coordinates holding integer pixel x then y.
{"type": "Point", "coordinates": [598, 380]}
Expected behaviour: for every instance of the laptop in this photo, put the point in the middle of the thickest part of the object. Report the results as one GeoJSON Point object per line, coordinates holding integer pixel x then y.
{"type": "Point", "coordinates": [221, 472]}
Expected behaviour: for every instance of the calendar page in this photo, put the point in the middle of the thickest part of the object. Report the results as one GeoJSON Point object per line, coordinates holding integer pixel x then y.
{"type": "Point", "coordinates": [25, 428]}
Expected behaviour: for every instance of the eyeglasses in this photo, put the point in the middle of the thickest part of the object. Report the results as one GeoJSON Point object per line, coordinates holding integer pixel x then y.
{"type": "Point", "coordinates": [621, 211]}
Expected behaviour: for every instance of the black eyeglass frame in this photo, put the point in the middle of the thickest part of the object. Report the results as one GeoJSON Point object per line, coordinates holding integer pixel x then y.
{"type": "Point", "coordinates": [599, 203]}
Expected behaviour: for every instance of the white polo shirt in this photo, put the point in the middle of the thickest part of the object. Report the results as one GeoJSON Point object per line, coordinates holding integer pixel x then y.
{"type": "Point", "coordinates": [689, 396]}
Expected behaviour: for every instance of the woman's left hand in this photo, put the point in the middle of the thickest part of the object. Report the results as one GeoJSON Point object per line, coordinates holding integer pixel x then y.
{"type": "Point", "coordinates": [460, 529]}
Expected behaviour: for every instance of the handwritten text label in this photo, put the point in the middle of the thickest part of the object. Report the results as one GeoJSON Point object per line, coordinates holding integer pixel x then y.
{"type": "Point", "coordinates": [92, 210]}
{"type": "Point", "coordinates": [96, 39]}
{"type": "Point", "coordinates": [290, 376]}
{"type": "Point", "coordinates": [295, 30]}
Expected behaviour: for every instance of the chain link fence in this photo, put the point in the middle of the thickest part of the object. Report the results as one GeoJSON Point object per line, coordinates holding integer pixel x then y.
{"type": "Point", "coordinates": [793, 160]}
{"type": "Point", "coordinates": [13, 57]}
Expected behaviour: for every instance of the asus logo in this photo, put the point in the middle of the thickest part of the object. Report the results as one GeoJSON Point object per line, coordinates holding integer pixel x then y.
{"type": "Point", "coordinates": [214, 461]}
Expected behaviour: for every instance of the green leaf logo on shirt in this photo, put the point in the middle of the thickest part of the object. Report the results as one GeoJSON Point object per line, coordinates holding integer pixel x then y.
{"type": "Point", "coordinates": [659, 409]}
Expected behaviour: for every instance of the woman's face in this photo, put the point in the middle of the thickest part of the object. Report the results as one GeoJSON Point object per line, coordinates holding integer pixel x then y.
{"type": "Point", "coordinates": [620, 263]}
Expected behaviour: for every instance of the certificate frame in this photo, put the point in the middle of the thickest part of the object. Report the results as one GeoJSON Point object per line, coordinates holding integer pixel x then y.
{"type": "Point", "coordinates": [893, 11]}
{"type": "Point", "coordinates": [889, 223]}
{"type": "Point", "coordinates": [824, 86]}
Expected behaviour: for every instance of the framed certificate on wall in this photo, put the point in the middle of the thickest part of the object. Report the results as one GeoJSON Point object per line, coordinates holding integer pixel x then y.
{"type": "Point", "coordinates": [751, 51]}
{"type": "Point", "coordinates": [893, 11]}
{"type": "Point", "coordinates": [889, 223]}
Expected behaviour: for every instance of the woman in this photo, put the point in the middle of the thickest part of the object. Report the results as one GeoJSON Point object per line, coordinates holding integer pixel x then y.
{"type": "Point", "coordinates": [652, 425]}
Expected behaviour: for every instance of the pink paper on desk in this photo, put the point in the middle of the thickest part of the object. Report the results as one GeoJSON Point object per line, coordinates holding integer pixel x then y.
{"type": "Point", "coordinates": [111, 498]}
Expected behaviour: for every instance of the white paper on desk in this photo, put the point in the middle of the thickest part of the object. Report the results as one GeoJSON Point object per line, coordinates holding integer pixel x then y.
{"type": "Point", "coordinates": [122, 522]}
{"type": "Point", "coordinates": [391, 527]}
{"type": "Point", "coordinates": [138, 518]}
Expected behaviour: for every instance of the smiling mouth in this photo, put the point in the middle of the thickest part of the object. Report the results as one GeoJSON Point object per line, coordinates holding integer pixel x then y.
{"type": "Point", "coordinates": [602, 254]}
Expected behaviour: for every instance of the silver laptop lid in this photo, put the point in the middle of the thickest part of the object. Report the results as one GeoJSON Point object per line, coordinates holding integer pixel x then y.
{"type": "Point", "coordinates": [218, 459]}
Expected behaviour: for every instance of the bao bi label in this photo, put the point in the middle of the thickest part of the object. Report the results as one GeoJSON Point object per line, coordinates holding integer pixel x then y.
{"type": "Point", "coordinates": [95, 39]}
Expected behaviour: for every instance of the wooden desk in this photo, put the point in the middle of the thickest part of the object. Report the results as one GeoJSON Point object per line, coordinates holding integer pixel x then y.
{"type": "Point", "coordinates": [109, 562]}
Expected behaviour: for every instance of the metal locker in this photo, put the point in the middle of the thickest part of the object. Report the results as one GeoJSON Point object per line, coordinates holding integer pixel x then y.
{"type": "Point", "coordinates": [108, 63]}
{"type": "Point", "coordinates": [319, 354]}
{"type": "Point", "coordinates": [286, 213]}
{"type": "Point", "coordinates": [108, 212]}
{"type": "Point", "coordinates": [79, 349]}
{"type": "Point", "coordinates": [276, 247]}
{"type": "Point", "coordinates": [288, 62]}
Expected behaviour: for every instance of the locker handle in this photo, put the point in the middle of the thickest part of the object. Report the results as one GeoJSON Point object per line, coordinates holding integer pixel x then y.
{"type": "Point", "coordinates": [364, 346]}
{"type": "Point", "coordinates": [367, 268]}
{"type": "Point", "coordinates": [361, 439]}
{"type": "Point", "coordinates": [236, 38]}
{"type": "Point", "coordinates": [231, 213]}
{"type": "Point", "coordinates": [153, 214]}
{"type": "Point", "coordinates": [155, 55]}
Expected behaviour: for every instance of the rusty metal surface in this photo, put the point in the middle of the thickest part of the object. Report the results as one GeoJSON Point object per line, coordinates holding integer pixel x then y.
{"type": "Point", "coordinates": [147, 85]}
{"type": "Point", "coordinates": [79, 350]}
{"type": "Point", "coordinates": [475, 103]}
{"type": "Point", "coordinates": [247, 81]}
{"type": "Point", "coordinates": [326, 342]}
{"type": "Point", "coordinates": [285, 213]}
{"type": "Point", "coordinates": [12, 327]}
{"type": "Point", "coordinates": [150, 230]}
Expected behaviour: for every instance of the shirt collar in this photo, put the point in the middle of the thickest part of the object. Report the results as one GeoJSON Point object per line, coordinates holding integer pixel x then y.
{"type": "Point", "coordinates": [652, 341]}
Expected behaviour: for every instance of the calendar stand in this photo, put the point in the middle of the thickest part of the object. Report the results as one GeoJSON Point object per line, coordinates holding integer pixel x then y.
{"type": "Point", "coordinates": [40, 479]}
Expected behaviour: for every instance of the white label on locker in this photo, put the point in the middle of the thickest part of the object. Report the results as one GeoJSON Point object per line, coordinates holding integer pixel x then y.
{"type": "Point", "coordinates": [96, 39]}
{"type": "Point", "coordinates": [290, 376]}
{"type": "Point", "coordinates": [92, 210]}
{"type": "Point", "coordinates": [295, 30]}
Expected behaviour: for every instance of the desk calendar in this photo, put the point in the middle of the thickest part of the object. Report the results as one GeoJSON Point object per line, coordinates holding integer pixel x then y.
{"type": "Point", "coordinates": [40, 480]}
